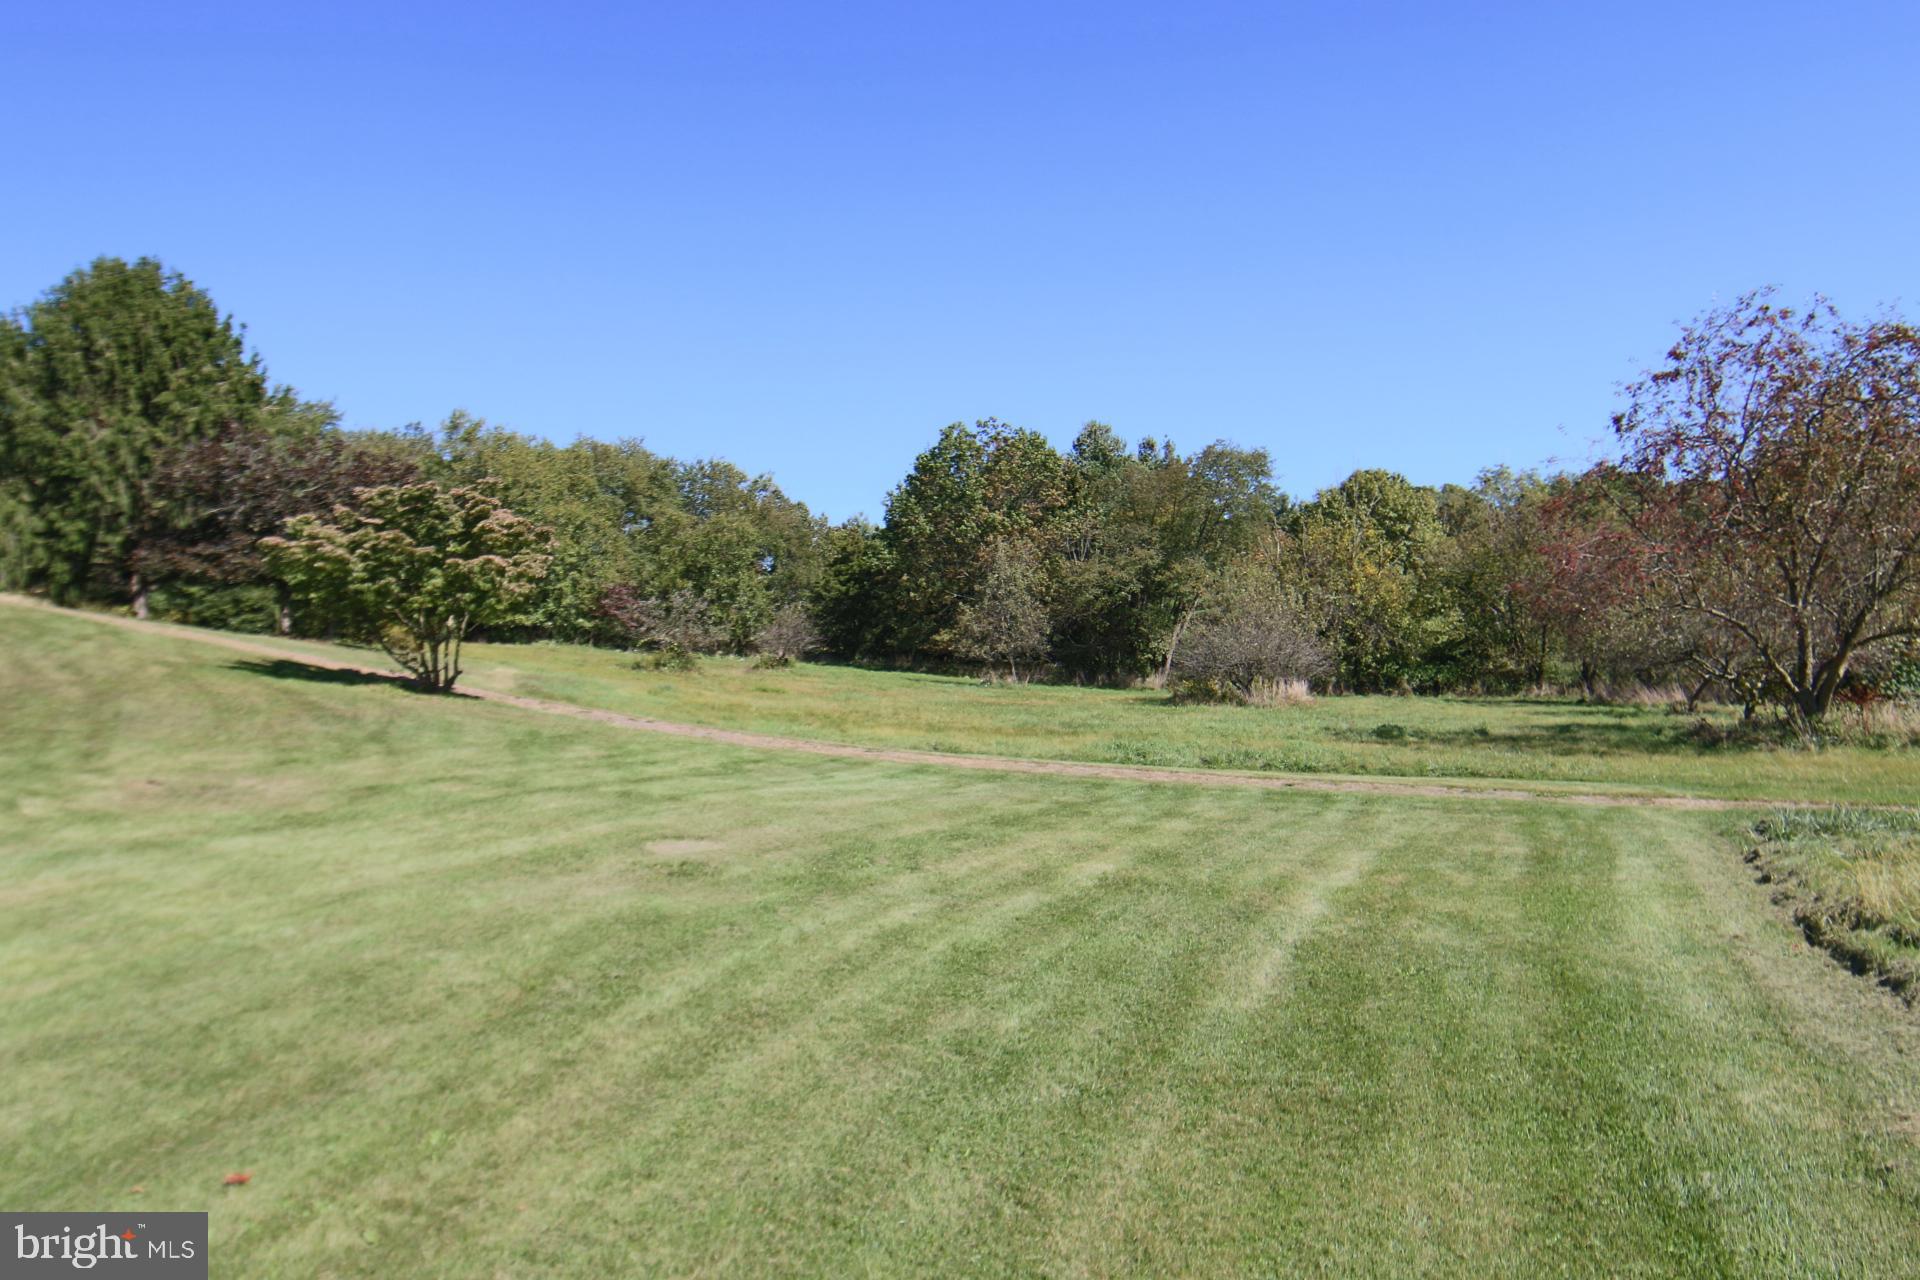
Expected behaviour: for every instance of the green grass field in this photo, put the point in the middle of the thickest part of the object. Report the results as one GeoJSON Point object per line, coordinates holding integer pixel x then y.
{"type": "Point", "coordinates": [472, 991]}
{"type": "Point", "coordinates": [1558, 742]}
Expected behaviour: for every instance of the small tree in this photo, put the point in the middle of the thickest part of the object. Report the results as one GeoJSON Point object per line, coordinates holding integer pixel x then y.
{"type": "Point", "coordinates": [1777, 456]}
{"type": "Point", "coordinates": [1250, 642]}
{"type": "Point", "coordinates": [1587, 584]}
{"type": "Point", "coordinates": [1008, 620]}
{"type": "Point", "coordinates": [414, 568]}
{"type": "Point", "coordinates": [787, 636]}
{"type": "Point", "coordinates": [676, 627]}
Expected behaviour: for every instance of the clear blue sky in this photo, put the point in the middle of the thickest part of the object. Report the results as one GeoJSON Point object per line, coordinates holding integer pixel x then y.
{"type": "Point", "coordinates": [805, 236]}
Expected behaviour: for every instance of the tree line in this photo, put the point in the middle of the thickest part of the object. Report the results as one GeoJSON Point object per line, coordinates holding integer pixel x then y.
{"type": "Point", "coordinates": [1756, 536]}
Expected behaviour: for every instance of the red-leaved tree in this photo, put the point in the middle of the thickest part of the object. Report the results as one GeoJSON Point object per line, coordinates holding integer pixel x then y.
{"type": "Point", "coordinates": [211, 501]}
{"type": "Point", "coordinates": [1778, 503]}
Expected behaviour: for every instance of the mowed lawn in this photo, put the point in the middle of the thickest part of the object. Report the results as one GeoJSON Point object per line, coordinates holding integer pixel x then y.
{"type": "Point", "coordinates": [472, 991]}
{"type": "Point", "coordinates": [1555, 742]}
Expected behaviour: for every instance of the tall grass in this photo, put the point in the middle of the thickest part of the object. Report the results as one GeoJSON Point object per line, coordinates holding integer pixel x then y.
{"type": "Point", "coordinates": [1852, 880]}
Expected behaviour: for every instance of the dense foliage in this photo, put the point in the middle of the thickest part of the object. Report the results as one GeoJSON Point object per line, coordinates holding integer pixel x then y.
{"type": "Point", "coordinates": [115, 366]}
{"type": "Point", "coordinates": [1756, 538]}
{"type": "Point", "coordinates": [413, 568]}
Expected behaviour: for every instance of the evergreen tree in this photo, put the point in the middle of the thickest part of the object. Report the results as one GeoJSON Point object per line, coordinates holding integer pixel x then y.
{"type": "Point", "coordinates": [113, 367]}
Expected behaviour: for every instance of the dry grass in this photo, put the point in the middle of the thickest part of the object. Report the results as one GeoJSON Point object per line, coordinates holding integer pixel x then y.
{"type": "Point", "coordinates": [1636, 694]}
{"type": "Point", "coordinates": [1285, 692]}
{"type": "Point", "coordinates": [1892, 723]}
{"type": "Point", "coordinates": [1852, 878]}
{"type": "Point", "coordinates": [1282, 692]}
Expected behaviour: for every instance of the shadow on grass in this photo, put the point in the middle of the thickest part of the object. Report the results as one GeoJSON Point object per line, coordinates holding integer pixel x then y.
{"type": "Point", "coordinates": [1565, 738]}
{"type": "Point", "coordinates": [286, 669]}
{"type": "Point", "coordinates": [1563, 728]}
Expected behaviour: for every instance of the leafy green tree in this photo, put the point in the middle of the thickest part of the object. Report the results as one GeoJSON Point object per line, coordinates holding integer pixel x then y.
{"type": "Point", "coordinates": [624, 516]}
{"type": "Point", "coordinates": [21, 551]}
{"type": "Point", "coordinates": [1007, 621]}
{"type": "Point", "coordinates": [1103, 576]}
{"type": "Point", "coordinates": [415, 568]}
{"type": "Point", "coordinates": [114, 366]}
{"type": "Point", "coordinates": [211, 501]}
{"type": "Point", "coordinates": [1359, 556]}
{"type": "Point", "coordinates": [936, 523]}
{"type": "Point", "coordinates": [19, 535]}
{"type": "Point", "coordinates": [854, 590]}
{"type": "Point", "coordinates": [1098, 451]}
{"type": "Point", "coordinates": [975, 485]}
{"type": "Point", "coordinates": [1402, 517]}
{"type": "Point", "coordinates": [741, 544]}
{"type": "Point", "coordinates": [1103, 563]}
{"type": "Point", "coordinates": [1223, 504]}
{"type": "Point", "coordinates": [1490, 548]}
{"type": "Point", "coordinates": [1144, 536]}
{"type": "Point", "coordinates": [600, 499]}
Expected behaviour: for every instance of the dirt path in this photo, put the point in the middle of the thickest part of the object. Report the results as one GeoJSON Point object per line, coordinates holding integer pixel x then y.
{"type": "Point", "coordinates": [944, 759]}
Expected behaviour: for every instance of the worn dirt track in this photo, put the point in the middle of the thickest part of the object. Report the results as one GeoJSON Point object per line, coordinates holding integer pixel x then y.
{"type": "Point", "coordinates": [943, 759]}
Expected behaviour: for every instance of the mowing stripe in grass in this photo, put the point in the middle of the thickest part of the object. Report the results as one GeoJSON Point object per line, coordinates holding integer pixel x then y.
{"type": "Point", "coordinates": [478, 992]}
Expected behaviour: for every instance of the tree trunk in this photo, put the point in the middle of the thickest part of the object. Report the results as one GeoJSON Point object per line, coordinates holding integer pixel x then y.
{"type": "Point", "coordinates": [453, 655]}
{"type": "Point", "coordinates": [137, 588]}
{"type": "Point", "coordinates": [1589, 677]}
{"type": "Point", "coordinates": [1696, 693]}
{"type": "Point", "coordinates": [1812, 704]}
{"type": "Point", "coordinates": [1179, 629]}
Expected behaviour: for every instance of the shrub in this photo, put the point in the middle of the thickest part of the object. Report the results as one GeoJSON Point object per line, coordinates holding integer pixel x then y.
{"type": "Point", "coordinates": [223, 607]}
{"type": "Point", "coordinates": [675, 628]}
{"type": "Point", "coordinates": [1284, 692]}
{"type": "Point", "coordinates": [1254, 647]}
{"type": "Point", "coordinates": [1899, 679]}
{"type": "Point", "coordinates": [788, 636]}
{"type": "Point", "coordinates": [670, 658]}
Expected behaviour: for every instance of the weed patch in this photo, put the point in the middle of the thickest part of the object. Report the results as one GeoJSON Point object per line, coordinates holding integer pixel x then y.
{"type": "Point", "coordinates": [1852, 880]}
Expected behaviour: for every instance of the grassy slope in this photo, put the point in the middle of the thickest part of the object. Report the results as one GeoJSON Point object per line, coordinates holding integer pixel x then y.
{"type": "Point", "coordinates": [1642, 748]}
{"type": "Point", "coordinates": [477, 992]}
